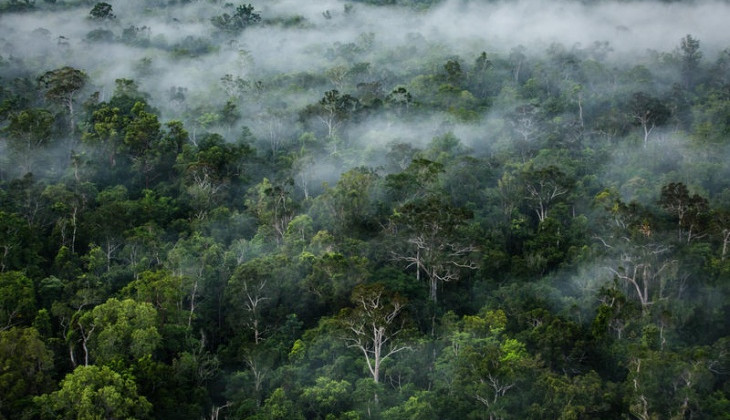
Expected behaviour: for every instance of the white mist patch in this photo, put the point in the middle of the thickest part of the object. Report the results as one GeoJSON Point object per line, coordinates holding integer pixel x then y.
{"type": "Point", "coordinates": [630, 27]}
{"type": "Point", "coordinates": [389, 39]}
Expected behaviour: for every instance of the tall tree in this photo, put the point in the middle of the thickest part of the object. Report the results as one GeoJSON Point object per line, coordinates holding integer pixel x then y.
{"type": "Point", "coordinates": [92, 392]}
{"type": "Point", "coordinates": [691, 211]}
{"type": "Point", "coordinates": [333, 110]}
{"type": "Point", "coordinates": [28, 131]}
{"type": "Point", "coordinates": [243, 17]}
{"type": "Point", "coordinates": [142, 139]}
{"type": "Point", "coordinates": [102, 11]}
{"type": "Point", "coordinates": [648, 112]}
{"type": "Point", "coordinates": [690, 57]}
{"type": "Point", "coordinates": [17, 300]}
{"type": "Point", "coordinates": [544, 187]}
{"type": "Point", "coordinates": [26, 370]}
{"type": "Point", "coordinates": [373, 326]}
{"type": "Point", "coordinates": [61, 86]}
{"type": "Point", "coordinates": [434, 245]}
{"type": "Point", "coordinates": [272, 204]}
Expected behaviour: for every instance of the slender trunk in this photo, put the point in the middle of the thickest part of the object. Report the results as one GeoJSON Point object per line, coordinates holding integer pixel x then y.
{"type": "Point", "coordinates": [72, 355]}
{"type": "Point", "coordinates": [84, 340]}
{"type": "Point", "coordinates": [647, 131]}
{"type": "Point", "coordinates": [433, 289]}
{"type": "Point", "coordinates": [192, 303]}
{"type": "Point", "coordinates": [580, 110]}
{"type": "Point", "coordinates": [70, 105]}
{"type": "Point", "coordinates": [73, 235]}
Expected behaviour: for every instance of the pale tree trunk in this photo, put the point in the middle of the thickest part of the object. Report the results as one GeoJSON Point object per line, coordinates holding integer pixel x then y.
{"type": "Point", "coordinates": [85, 336]}
{"type": "Point", "coordinates": [725, 241]}
{"type": "Point", "coordinates": [371, 330]}
{"type": "Point", "coordinates": [254, 299]}
{"type": "Point", "coordinates": [193, 295]}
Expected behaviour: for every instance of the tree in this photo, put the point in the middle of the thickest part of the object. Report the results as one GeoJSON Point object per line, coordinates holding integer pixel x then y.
{"type": "Point", "coordinates": [119, 332]}
{"type": "Point", "coordinates": [28, 131]}
{"type": "Point", "coordinates": [482, 65]}
{"type": "Point", "coordinates": [543, 187]}
{"type": "Point", "coordinates": [92, 392]}
{"type": "Point", "coordinates": [248, 293]}
{"type": "Point", "coordinates": [434, 244]}
{"type": "Point", "coordinates": [327, 397]}
{"type": "Point", "coordinates": [573, 397]}
{"type": "Point", "coordinates": [691, 56]}
{"type": "Point", "coordinates": [68, 205]}
{"type": "Point", "coordinates": [26, 370]}
{"type": "Point", "coordinates": [142, 139]}
{"type": "Point", "coordinates": [649, 374]}
{"type": "Point", "coordinates": [242, 18]}
{"type": "Point", "coordinates": [648, 112]}
{"type": "Point", "coordinates": [198, 262]}
{"type": "Point", "coordinates": [373, 326]}
{"type": "Point", "coordinates": [489, 366]}
{"type": "Point", "coordinates": [691, 211]}
{"type": "Point", "coordinates": [334, 275]}
{"type": "Point", "coordinates": [333, 110]}
{"type": "Point", "coordinates": [17, 299]}
{"type": "Point", "coordinates": [19, 246]}
{"type": "Point", "coordinates": [278, 407]}
{"type": "Point", "coordinates": [272, 204]}
{"type": "Point", "coordinates": [106, 131]}
{"type": "Point", "coordinates": [230, 115]}
{"type": "Point", "coordinates": [102, 11]}
{"type": "Point", "coordinates": [454, 74]}
{"type": "Point", "coordinates": [646, 270]}
{"type": "Point", "coordinates": [350, 203]}
{"type": "Point", "coordinates": [209, 169]}
{"type": "Point", "coordinates": [526, 123]}
{"type": "Point", "coordinates": [517, 59]}
{"type": "Point", "coordinates": [399, 99]}
{"type": "Point", "coordinates": [418, 181]}
{"type": "Point", "coordinates": [721, 224]}
{"type": "Point", "coordinates": [61, 86]}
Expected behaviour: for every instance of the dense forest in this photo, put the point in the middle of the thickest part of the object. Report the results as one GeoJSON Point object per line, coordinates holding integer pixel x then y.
{"type": "Point", "coordinates": [374, 209]}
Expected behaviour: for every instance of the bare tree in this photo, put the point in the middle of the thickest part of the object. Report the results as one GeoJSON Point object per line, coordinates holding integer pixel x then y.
{"type": "Point", "coordinates": [690, 210]}
{"type": "Point", "coordinates": [374, 326]}
{"type": "Point", "coordinates": [433, 245]}
{"type": "Point", "coordinates": [543, 187]}
{"type": "Point", "coordinates": [333, 110]}
{"type": "Point", "coordinates": [253, 292]}
{"type": "Point", "coordinates": [644, 270]}
{"type": "Point", "coordinates": [648, 112]}
{"type": "Point", "coordinates": [61, 86]}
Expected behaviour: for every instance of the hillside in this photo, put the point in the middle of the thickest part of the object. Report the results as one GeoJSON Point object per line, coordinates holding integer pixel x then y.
{"type": "Point", "coordinates": [377, 209]}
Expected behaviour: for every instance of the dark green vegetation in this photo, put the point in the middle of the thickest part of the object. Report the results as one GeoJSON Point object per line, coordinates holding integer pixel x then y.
{"type": "Point", "coordinates": [374, 228]}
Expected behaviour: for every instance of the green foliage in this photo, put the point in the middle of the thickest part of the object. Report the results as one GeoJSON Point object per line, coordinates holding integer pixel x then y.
{"type": "Point", "coordinates": [243, 17]}
{"type": "Point", "coordinates": [91, 392]}
{"type": "Point", "coordinates": [20, 247]}
{"type": "Point", "coordinates": [60, 86]}
{"type": "Point", "coordinates": [17, 299]}
{"type": "Point", "coordinates": [327, 397]}
{"type": "Point", "coordinates": [102, 11]}
{"type": "Point", "coordinates": [26, 370]}
{"type": "Point", "coordinates": [121, 331]}
{"type": "Point", "coordinates": [373, 227]}
{"type": "Point", "coordinates": [279, 407]}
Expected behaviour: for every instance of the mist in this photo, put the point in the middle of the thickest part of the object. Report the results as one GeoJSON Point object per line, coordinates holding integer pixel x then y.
{"type": "Point", "coordinates": [459, 28]}
{"type": "Point", "coordinates": [538, 191]}
{"type": "Point", "coordinates": [393, 43]}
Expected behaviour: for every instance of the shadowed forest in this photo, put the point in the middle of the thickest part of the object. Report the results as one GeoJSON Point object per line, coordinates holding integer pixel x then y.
{"type": "Point", "coordinates": [373, 209]}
